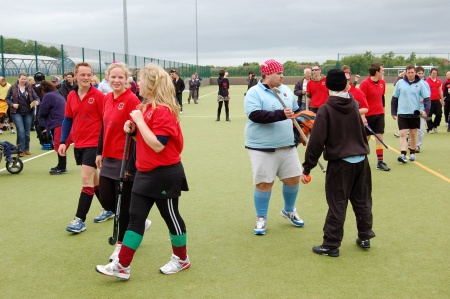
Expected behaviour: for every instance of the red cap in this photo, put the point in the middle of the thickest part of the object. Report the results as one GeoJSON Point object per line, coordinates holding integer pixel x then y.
{"type": "Point", "coordinates": [271, 66]}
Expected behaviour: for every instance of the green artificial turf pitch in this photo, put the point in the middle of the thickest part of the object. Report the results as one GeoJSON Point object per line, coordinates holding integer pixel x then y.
{"type": "Point", "coordinates": [408, 258]}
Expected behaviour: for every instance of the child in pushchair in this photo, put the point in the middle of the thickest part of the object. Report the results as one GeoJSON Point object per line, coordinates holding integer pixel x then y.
{"type": "Point", "coordinates": [14, 165]}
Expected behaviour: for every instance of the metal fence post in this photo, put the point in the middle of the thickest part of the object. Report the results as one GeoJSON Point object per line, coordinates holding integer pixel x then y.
{"type": "Point", "coordinates": [100, 63]}
{"type": "Point", "coordinates": [62, 60]}
{"type": "Point", "coordinates": [36, 55]}
{"type": "Point", "coordinates": [3, 56]}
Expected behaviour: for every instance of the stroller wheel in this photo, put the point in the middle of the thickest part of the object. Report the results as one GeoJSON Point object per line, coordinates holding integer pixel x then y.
{"type": "Point", "coordinates": [15, 166]}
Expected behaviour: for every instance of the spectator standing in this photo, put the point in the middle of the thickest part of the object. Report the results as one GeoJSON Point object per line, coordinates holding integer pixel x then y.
{"type": "Point", "coordinates": [200, 80]}
{"type": "Point", "coordinates": [437, 101]}
{"type": "Point", "coordinates": [269, 138]}
{"type": "Point", "coordinates": [316, 90]}
{"type": "Point", "coordinates": [21, 99]}
{"type": "Point", "coordinates": [52, 112]}
{"type": "Point", "coordinates": [300, 88]}
{"type": "Point", "coordinates": [340, 135]}
{"type": "Point", "coordinates": [4, 88]}
{"type": "Point", "coordinates": [374, 89]}
{"type": "Point", "coordinates": [194, 85]}
{"type": "Point", "coordinates": [160, 176]}
{"type": "Point", "coordinates": [406, 105]}
{"type": "Point", "coordinates": [68, 85]}
{"type": "Point", "coordinates": [104, 86]}
{"type": "Point", "coordinates": [251, 80]}
{"type": "Point", "coordinates": [83, 115]}
{"type": "Point", "coordinates": [223, 95]}
{"type": "Point", "coordinates": [179, 88]}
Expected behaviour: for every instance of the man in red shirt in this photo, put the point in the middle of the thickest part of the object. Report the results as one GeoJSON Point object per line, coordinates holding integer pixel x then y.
{"type": "Point", "coordinates": [316, 91]}
{"type": "Point", "coordinates": [83, 115]}
{"type": "Point", "coordinates": [374, 89]}
{"type": "Point", "coordinates": [437, 100]}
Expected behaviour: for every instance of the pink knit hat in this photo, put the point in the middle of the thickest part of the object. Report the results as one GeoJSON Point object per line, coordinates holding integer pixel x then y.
{"type": "Point", "coordinates": [271, 66]}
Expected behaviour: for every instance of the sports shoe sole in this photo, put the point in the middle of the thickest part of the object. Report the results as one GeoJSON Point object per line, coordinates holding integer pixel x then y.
{"type": "Point", "coordinates": [116, 275]}
{"type": "Point", "coordinates": [76, 231]}
{"type": "Point", "coordinates": [259, 232]}
{"type": "Point", "coordinates": [401, 160]}
{"type": "Point", "coordinates": [360, 243]}
{"type": "Point", "coordinates": [290, 221]}
{"type": "Point", "coordinates": [104, 219]}
{"type": "Point", "coordinates": [319, 250]}
{"type": "Point", "coordinates": [174, 272]}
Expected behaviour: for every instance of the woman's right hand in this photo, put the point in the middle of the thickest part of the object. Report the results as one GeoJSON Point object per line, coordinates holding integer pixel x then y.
{"type": "Point", "coordinates": [129, 127]}
{"type": "Point", "coordinates": [15, 106]}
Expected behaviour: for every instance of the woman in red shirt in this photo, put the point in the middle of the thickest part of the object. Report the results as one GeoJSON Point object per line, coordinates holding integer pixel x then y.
{"type": "Point", "coordinates": [117, 108]}
{"type": "Point", "coordinates": [160, 176]}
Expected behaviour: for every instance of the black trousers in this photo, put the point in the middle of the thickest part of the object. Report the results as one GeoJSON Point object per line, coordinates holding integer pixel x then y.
{"type": "Point", "coordinates": [108, 199]}
{"type": "Point", "coordinates": [347, 181]}
{"type": "Point", "coordinates": [436, 109]}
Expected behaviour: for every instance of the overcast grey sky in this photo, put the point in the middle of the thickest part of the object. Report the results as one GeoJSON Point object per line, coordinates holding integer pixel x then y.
{"type": "Point", "coordinates": [235, 31]}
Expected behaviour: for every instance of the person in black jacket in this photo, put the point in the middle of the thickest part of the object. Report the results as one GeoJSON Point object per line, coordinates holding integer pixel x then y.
{"type": "Point", "coordinates": [179, 87]}
{"type": "Point", "coordinates": [68, 85]}
{"type": "Point", "coordinates": [223, 94]}
{"type": "Point", "coordinates": [340, 134]}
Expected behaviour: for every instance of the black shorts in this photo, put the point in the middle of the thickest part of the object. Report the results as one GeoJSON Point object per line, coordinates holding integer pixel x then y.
{"type": "Point", "coordinates": [376, 123]}
{"type": "Point", "coordinates": [163, 182]}
{"type": "Point", "coordinates": [408, 123]}
{"type": "Point", "coordinates": [86, 156]}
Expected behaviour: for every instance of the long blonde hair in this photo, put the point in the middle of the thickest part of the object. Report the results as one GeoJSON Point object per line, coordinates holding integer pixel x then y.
{"type": "Point", "coordinates": [158, 89]}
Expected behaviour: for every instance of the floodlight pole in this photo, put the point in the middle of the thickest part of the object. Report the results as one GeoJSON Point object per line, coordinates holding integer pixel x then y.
{"type": "Point", "coordinates": [196, 39]}
{"type": "Point", "coordinates": [125, 30]}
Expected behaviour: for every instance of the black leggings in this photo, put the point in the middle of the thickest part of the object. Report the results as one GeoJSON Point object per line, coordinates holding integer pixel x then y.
{"type": "Point", "coordinates": [108, 195]}
{"type": "Point", "coordinates": [168, 208]}
{"type": "Point", "coordinates": [219, 110]}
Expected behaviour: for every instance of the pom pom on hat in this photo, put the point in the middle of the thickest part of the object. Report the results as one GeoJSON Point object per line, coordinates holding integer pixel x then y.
{"type": "Point", "coordinates": [271, 66]}
{"type": "Point", "coordinates": [336, 80]}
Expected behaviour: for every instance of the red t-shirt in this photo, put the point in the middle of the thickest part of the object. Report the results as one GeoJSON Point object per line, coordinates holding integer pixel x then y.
{"type": "Point", "coordinates": [374, 95]}
{"type": "Point", "coordinates": [115, 113]}
{"type": "Point", "coordinates": [359, 96]}
{"type": "Point", "coordinates": [434, 88]}
{"type": "Point", "coordinates": [318, 92]}
{"type": "Point", "coordinates": [87, 116]}
{"type": "Point", "coordinates": [161, 122]}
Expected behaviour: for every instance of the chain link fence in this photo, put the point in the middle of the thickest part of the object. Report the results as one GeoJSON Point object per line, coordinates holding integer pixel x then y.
{"type": "Point", "coordinates": [30, 56]}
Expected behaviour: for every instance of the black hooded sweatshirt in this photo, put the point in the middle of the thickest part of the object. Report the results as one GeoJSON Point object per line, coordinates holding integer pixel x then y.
{"type": "Point", "coordinates": [338, 132]}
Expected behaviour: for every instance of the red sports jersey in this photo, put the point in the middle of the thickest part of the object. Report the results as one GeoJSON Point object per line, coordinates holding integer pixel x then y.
{"type": "Point", "coordinates": [359, 96]}
{"type": "Point", "coordinates": [318, 92]}
{"type": "Point", "coordinates": [115, 113]}
{"type": "Point", "coordinates": [374, 95]}
{"type": "Point", "coordinates": [87, 116]}
{"type": "Point", "coordinates": [434, 88]}
{"type": "Point", "coordinates": [161, 122]}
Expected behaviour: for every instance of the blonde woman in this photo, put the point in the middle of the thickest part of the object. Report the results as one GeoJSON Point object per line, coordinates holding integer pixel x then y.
{"type": "Point", "coordinates": [160, 176]}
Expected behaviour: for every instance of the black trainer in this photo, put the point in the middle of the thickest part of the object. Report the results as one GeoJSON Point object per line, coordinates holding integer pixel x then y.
{"type": "Point", "coordinates": [363, 243]}
{"type": "Point", "coordinates": [334, 252]}
{"type": "Point", "coordinates": [58, 171]}
{"type": "Point", "coordinates": [382, 166]}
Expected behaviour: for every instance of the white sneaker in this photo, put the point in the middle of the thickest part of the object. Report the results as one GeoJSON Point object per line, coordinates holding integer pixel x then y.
{"type": "Point", "coordinates": [148, 223]}
{"type": "Point", "coordinates": [435, 130]}
{"type": "Point", "coordinates": [293, 217]}
{"type": "Point", "coordinates": [260, 227]}
{"type": "Point", "coordinates": [1, 132]}
{"type": "Point", "coordinates": [114, 269]}
{"type": "Point", "coordinates": [115, 253]}
{"type": "Point", "coordinates": [12, 131]}
{"type": "Point", "coordinates": [175, 265]}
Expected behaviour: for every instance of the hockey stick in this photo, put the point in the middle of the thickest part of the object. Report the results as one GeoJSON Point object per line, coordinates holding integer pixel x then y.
{"type": "Point", "coordinates": [276, 91]}
{"type": "Point", "coordinates": [112, 240]}
{"type": "Point", "coordinates": [373, 133]}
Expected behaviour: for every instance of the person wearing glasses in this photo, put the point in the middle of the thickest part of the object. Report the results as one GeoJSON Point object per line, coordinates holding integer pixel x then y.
{"type": "Point", "coordinates": [316, 90]}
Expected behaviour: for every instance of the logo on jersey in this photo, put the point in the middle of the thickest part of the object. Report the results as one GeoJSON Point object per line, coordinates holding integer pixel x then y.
{"type": "Point", "coordinates": [285, 95]}
{"type": "Point", "coordinates": [149, 114]}
{"type": "Point", "coordinates": [91, 101]}
{"type": "Point", "coordinates": [121, 105]}
{"type": "Point", "coordinates": [381, 85]}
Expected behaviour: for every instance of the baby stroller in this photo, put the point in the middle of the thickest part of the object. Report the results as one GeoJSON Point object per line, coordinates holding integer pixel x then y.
{"type": "Point", "coordinates": [14, 166]}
